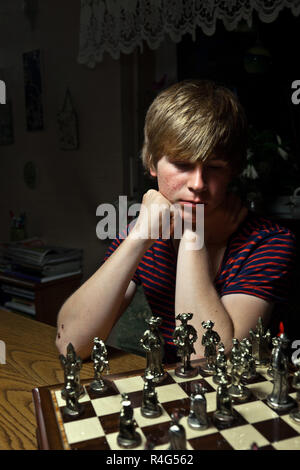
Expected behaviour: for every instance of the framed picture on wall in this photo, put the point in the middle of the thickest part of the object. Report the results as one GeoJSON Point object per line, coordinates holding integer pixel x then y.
{"type": "Point", "coordinates": [68, 125]}
{"type": "Point", "coordinates": [33, 90]}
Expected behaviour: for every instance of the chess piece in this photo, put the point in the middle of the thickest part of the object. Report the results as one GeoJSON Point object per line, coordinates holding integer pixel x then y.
{"type": "Point", "coordinates": [237, 389]}
{"type": "Point", "coordinates": [177, 435]}
{"type": "Point", "coordinates": [73, 408]}
{"type": "Point", "coordinates": [279, 398]}
{"type": "Point", "coordinates": [295, 413]}
{"type": "Point", "coordinates": [150, 407]}
{"type": "Point", "coordinates": [220, 364]}
{"type": "Point", "coordinates": [128, 437]}
{"type": "Point", "coordinates": [184, 337]}
{"type": "Point", "coordinates": [275, 342]}
{"type": "Point", "coordinates": [72, 365]}
{"type": "Point", "coordinates": [235, 352]}
{"type": "Point", "coordinates": [198, 418]}
{"type": "Point", "coordinates": [153, 343]}
{"type": "Point", "coordinates": [99, 358]}
{"type": "Point", "coordinates": [150, 443]}
{"type": "Point", "coordinates": [246, 352]}
{"type": "Point", "coordinates": [260, 344]}
{"type": "Point", "coordinates": [224, 414]}
{"type": "Point", "coordinates": [210, 340]}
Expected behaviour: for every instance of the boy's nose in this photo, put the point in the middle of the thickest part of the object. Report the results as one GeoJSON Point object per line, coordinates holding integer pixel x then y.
{"type": "Point", "coordinates": [196, 180]}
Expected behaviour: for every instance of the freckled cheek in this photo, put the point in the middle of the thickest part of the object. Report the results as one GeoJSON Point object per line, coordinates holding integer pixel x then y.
{"type": "Point", "coordinates": [168, 185]}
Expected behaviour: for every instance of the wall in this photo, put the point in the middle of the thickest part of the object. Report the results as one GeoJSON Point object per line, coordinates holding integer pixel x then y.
{"type": "Point", "coordinates": [70, 184]}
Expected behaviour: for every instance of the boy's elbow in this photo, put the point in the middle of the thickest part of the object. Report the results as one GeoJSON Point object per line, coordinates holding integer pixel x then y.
{"type": "Point", "coordinates": [82, 350]}
{"type": "Point", "coordinates": [60, 344]}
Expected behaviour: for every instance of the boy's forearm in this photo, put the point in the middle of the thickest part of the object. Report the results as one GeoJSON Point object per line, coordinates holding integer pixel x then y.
{"type": "Point", "coordinates": [94, 308]}
{"type": "Point", "coordinates": [196, 293]}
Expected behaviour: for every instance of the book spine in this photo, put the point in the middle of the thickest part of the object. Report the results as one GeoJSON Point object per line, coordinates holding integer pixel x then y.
{"type": "Point", "coordinates": [20, 275]}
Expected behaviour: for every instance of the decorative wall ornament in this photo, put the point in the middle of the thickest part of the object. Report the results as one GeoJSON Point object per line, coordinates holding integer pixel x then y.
{"type": "Point", "coordinates": [68, 125]}
{"type": "Point", "coordinates": [119, 26]}
{"type": "Point", "coordinates": [33, 90]}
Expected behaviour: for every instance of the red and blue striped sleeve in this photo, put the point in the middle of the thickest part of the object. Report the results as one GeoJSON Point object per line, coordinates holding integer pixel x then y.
{"type": "Point", "coordinates": [264, 267]}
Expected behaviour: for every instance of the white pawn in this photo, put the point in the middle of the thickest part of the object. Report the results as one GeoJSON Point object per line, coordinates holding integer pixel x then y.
{"type": "Point", "coordinates": [177, 434]}
{"type": "Point", "coordinates": [198, 418]}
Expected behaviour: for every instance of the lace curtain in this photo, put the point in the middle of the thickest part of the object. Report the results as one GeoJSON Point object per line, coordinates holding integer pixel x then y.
{"type": "Point", "coordinates": [116, 26]}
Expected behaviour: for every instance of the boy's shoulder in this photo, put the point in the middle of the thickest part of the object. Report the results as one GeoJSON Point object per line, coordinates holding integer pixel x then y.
{"type": "Point", "coordinates": [257, 230]}
{"type": "Point", "coordinates": [260, 225]}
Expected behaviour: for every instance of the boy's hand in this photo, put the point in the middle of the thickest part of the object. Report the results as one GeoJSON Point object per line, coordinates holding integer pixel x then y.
{"type": "Point", "coordinates": [156, 219]}
{"type": "Point", "coordinates": [224, 220]}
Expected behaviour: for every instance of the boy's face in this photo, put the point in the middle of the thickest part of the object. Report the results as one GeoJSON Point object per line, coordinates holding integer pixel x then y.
{"type": "Point", "coordinates": [187, 183]}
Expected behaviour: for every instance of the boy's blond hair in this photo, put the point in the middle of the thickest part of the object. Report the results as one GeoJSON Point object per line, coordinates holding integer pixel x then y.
{"type": "Point", "coordinates": [192, 121]}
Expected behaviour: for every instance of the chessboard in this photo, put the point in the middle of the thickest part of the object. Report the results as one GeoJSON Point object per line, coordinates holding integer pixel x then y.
{"type": "Point", "coordinates": [97, 427]}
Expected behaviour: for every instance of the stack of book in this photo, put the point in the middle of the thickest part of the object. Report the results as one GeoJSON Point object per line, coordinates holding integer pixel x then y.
{"type": "Point", "coordinates": [19, 299]}
{"type": "Point", "coordinates": [36, 264]}
{"type": "Point", "coordinates": [40, 263]}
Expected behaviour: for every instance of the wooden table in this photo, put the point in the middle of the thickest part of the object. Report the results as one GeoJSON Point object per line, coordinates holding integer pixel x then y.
{"type": "Point", "coordinates": [32, 361]}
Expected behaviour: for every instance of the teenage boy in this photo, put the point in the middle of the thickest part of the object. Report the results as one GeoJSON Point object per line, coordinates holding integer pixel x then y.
{"type": "Point", "coordinates": [195, 144]}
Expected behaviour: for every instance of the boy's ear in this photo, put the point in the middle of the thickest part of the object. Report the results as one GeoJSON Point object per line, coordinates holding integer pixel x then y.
{"type": "Point", "coordinates": [153, 171]}
{"type": "Point", "coordinates": [152, 168]}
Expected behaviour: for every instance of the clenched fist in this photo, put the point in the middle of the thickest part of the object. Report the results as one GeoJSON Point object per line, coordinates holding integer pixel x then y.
{"type": "Point", "coordinates": [156, 217]}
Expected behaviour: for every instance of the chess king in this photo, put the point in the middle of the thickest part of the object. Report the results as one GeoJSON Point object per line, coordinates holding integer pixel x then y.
{"type": "Point", "coordinates": [195, 145]}
{"type": "Point", "coordinates": [279, 398]}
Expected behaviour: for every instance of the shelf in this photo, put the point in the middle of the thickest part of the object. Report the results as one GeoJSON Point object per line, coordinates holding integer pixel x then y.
{"type": "Point", "coordinates": [48, 296]}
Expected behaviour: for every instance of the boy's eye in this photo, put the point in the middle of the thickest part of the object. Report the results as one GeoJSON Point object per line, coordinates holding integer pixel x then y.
{"type": "Point", "coordinates": [216, 165]}
{"type": "Point", "coordinates": [183, 166]}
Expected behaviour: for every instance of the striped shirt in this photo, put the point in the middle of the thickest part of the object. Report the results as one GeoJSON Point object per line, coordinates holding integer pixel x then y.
{"type": "Point", "coordinates": [258, 260]}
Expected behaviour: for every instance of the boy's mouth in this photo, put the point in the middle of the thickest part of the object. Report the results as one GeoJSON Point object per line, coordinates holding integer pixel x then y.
{"type": "Point", "coordinates": [191, 203]}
